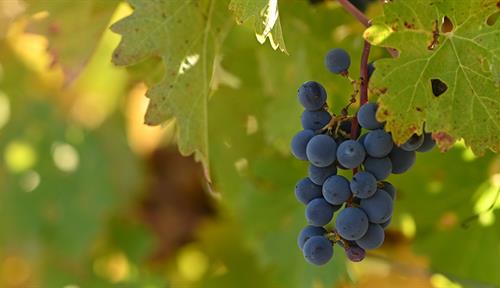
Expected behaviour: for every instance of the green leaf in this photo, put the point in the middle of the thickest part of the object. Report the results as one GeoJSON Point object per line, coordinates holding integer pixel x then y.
{"type": "Point", "coordinates": [187, 36]}
{"type": "Point", "coordinates": [451, 190]}
{"type": "Point", "coordinates": [267, 20]}
{"type": "Point", "coordinates": [66, 19]}
{"type": "Point", "coordinates": [466, 59]}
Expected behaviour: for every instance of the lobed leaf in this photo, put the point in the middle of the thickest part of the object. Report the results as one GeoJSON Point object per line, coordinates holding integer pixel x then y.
{"type": "Point", "coordinates": [447, 74]}
{"type": "Point", "coordinates": [170, 29]}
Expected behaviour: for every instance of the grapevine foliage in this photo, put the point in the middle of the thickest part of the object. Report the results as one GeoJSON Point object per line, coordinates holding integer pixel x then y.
{"type": "Point", "coordinates": [267, 21]}
{"type": "Point", "coordinates": [72, 53]}
{"type": "Point", "coordinates": [171, 30]}
{"type": "Point", "coordinates": [447, 73]}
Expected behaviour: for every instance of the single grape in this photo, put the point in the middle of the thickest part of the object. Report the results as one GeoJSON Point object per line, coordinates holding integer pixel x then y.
{"type": "Point", "coordinates": [428, 144]}
{"type": "Point", "coordinates": [306, 190]}
{"type": "Point", "coordinates": [351, 223]}
{"type": "Point", "coordinates": [363, 184]}
{"type": "Point", "coordinates": [350, 154]}
{"type": "Point", "coordinates": [413, 143]}
{"type": "Point", "coordinates": [386, 223]}
{"type": "Point", "coordinates": [318, 175]}
{"type": "Point", "coordinates": [366, 117]}
{"type": "Point", "coordinates": [321, 150]}
{"type": "Point", "coordinates": [378, 143]}
{"type": "Point", "coordinates": [312, 95]}
{"type": "Point", "coordinates": [319, 212]}
{"type": "Point", "coordinates": [299, 143]}
{"type": "Point", "coordinates": [378, 207]}
{"type": "Point", "coordinates": [389, 188]}
{"type": "Point", "coordinates": [355, 253]}
{"type": "Point", "coordinates": [318, 250]}
{"type": "Point", "coordinates": [315, 120]}
{"type": "Point", "coordinates": [401, 160]}
{"type": "Point", "coordinates": [373, 238]}
{"type": "Point", "coordinates": [381, 168]}
{"type": "Point", "coordinates": [337, 61]}
{"type": "Point", "coordinates": [336, 190]}
{"type": "Point", "coordinates": [371, 69]}
{"type": "Point", "coordinates": [308, 232]}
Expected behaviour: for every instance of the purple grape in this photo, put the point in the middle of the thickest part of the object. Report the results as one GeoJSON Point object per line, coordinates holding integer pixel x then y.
{"type": "Point", "coordinates": [373, 238]}
{"type": "Point", "coordinates": [299, 143]}
{"type": "Point", "coordinates": [350, 154]}
{"type": "Point", "coordinates": [306, 190]}
{"type": "Point", "coordinates": [337, 61]}
{"type": "Point", "coordinates": [351, 223]}
{"type": "Point", "coordinates": [321, 150]}
{"type": "Point", "coordinates": [381, 168]}
{"type": "Point", "coordinates": [366, 117]}
{"type": "Point", "coordinates": [319, 212]}
{"type": "Point", "coordinates": [401, 160]}
{"type": "Point", "coordinates": [312, 95]}
{"type": "Point", "coordinates": [378, 143]}
{"type": "Point", "coordinates": [336, 190]}
{"type": "Point", "coordinates": [355, 253]}
{"type": "Point", "coordinates": [318, 175]}
{"type": "Point", "coordinates": [363, 184]}
{"type": "Point", "coordinates": [378, 208]}
{"type": "Point", "coordinates": [315, 120]}
{"type": "Point", "coordinates": [318, 250]}
{"type": "Point", "coordinates": [308, 232]}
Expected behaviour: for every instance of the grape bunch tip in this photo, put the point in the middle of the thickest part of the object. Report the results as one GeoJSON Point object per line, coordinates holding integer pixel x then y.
{"type": "Point", "coordinates": [363, 204]}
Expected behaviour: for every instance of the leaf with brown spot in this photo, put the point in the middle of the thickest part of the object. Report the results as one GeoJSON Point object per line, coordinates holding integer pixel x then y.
{"type": "Point", "coordinates": [466, 61]}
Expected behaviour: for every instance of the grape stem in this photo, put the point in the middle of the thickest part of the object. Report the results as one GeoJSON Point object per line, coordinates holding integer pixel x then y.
{"type": "Point", "coordinates": [355, 12]}
{"type": "Point", "coordinates": [363, 96]}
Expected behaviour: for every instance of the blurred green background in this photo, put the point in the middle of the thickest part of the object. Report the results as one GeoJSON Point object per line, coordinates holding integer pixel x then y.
{"type": "Point", "coordinates": [91, 197]}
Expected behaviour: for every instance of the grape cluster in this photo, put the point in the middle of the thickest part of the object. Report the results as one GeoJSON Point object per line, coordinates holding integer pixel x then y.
{"type": "Point", "coordinates": [329, 142]}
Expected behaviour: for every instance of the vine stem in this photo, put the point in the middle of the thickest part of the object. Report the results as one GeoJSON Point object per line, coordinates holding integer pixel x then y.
{"type": "Point", "coordinates": [355, 12]}
{"type": "Point", "coordinates": [363, 97]}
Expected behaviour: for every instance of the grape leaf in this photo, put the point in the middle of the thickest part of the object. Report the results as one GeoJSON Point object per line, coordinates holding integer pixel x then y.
{"type": "Point", "coordinates": [66, 19]}
{"type": "Point", "coordinates": [453, 84]}
{"type": "Point", "coordinates": [171, 30]}
{"type": "Point", "coordinates": [267, 20]}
